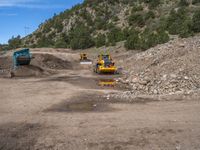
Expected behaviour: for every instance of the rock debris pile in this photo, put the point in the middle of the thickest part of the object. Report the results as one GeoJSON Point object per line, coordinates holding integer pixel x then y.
{"type": "Point", "coordinates": [170, 68]}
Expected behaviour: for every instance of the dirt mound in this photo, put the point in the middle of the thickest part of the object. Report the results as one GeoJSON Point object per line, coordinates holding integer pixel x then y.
{"type": "Point", "coordinates": [50, 62]}
{"type": "Point", "coordinates": [41, 64]}
{"type": "Point", "coordinates": [28, 71]}
{"type": "Point", "coordinates": [169, 68]}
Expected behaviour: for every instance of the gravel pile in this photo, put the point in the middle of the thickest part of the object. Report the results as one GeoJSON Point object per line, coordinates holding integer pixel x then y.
{"type": "Point", "coordinates": [170, 68]}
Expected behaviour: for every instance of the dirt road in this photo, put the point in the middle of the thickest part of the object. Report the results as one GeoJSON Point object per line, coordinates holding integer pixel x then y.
{"type": "Point", "coordinates": [67, 111]}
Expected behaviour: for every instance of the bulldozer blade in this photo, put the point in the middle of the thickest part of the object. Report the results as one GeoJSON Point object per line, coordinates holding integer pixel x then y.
{"type": "Point", "coordinates": [86, 63]}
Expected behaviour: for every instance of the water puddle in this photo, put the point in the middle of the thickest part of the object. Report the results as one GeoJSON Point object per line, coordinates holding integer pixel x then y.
{"type": "Point", "coordinates": [89, 83]}
{"type": "Point", "coordinates": [85, 106]}
{"type": "Point", "coordinates": [107, 82]}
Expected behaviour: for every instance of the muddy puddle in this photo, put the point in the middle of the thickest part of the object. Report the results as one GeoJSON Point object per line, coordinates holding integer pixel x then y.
{"type": "Point", "coordinates": [86, 103]}
{"type": "Point", "coordinates": [94, 103]}
{"type": "Point", "coordinates": [89, 82]}
{"type": "Point", "coordinates": [87, 106]}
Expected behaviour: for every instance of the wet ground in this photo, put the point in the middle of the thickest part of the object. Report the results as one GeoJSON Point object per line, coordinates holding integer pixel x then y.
{"type": "Point", "coordinates": [95, 81]}
{"type": "Point", "coordinates": [81, 104]}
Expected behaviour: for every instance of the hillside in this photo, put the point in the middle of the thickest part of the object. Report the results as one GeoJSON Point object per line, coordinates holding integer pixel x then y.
{"type": "Point", "coordinates": [141, 23]}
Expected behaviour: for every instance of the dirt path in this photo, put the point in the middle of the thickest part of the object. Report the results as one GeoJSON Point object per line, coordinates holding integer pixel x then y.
{"type": "Point", "coordinates": [68, 111]}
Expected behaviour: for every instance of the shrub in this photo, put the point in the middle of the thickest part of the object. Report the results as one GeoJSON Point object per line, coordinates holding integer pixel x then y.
{"type": "Point", "coordinates": [45, 42]}
{"type": "Point", "coordinates": [195, 2]}
{"type": "Point", "coordinates": [136, 19]}
{"type": "Point", "coordinates": [179, 22]}
{"type": "Point", "coordinates": [100, 40]}
{"type": "Point", "coordinates": [146, 39]}
{"type": "Point", "coordinates": [137, 8]}
{"type": "Point", "coordinates": [100, 23]}
{"type": "Point", "coordinates": [115, 18]}
{"type": "Point", "coordinates": [186, 29]}
{"type": "Point", "coordinates": [196, 21]}
{"type": "Point", "coordinates": [57, 24]}
{"type": "Point", "coordinates": [62, 42]}
{"type": "Point", "coordinates": [154, 3]}
{"type": "Point", "coordinates": [133, 40]}
{"type": "Point", "coordinates": [4, 47]}
{"type": "Point", "coordinates": [115, 35]}
{"type": "Point", "coordinates": [163, 37]}
{"type": "Point", "coordinates": [80, 38]}
{"type": "Point", "coordinates": [183, 3]}
{"type": "Point", "coordinates": [149, 15]}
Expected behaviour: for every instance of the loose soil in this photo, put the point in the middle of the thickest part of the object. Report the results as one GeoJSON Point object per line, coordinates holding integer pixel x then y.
{"type": "Point", "coordinates": [21, 136]}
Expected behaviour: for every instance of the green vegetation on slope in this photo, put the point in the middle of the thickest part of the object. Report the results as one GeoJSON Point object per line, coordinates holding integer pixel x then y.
{"type": "Point", "coordinates": [141, 24]}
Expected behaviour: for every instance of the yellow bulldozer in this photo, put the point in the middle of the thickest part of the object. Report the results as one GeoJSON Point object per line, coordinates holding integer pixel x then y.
{"type": "Point", "coordinates": [83, 56]}
{"type": "Point", "coordinates": [84, 59]}
{"type": "Point", "coordinates": [105, 64]}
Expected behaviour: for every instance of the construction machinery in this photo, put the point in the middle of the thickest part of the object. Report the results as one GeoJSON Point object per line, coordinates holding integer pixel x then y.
{"type": "Point", "coordinates": [105, 64]}
{"type": "Point", "coordinates": [21, 57]}
{"type": "Point", "coordinates": [84, 59]}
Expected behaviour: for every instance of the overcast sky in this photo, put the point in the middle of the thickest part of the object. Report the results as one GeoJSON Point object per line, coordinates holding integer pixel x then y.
{"type": "Point", "coordinates": [21, 17]}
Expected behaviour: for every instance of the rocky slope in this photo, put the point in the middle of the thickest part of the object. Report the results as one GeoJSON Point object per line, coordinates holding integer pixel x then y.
{"type": "Point", "coordinates": [169, 68]}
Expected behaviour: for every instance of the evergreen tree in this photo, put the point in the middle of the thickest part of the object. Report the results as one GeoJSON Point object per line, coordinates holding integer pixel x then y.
{"type": "Point", "coordinates": [81, 38]}
{"type": "Point", "coordinates": [100, 40]}
{"type": "Point", "coordinates": [15, 42]}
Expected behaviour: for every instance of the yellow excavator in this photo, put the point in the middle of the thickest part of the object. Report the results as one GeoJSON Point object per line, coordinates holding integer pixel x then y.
{"type": "Point", "coordinates": [105, 64]}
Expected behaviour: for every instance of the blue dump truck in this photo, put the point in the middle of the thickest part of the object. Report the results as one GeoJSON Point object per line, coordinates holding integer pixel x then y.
{"type": "Point", "coordinates": [21, 58]}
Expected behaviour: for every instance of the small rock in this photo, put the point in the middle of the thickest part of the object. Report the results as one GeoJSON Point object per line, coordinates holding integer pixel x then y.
{"type": "Point", "coordinates": [143, 82]}
{"type": "Point", "coordinates": [178, 147]}
{"type": "Point", "coordinates": [186, 78]}
{"type": "Point", "coordinates": [155, 91]}
{"type": "Point", "coordinates": [135, 80]}
{"type": "Point", "coordinates": [173, 75]}
{"type": "Point", "coordinates": [164, 77]}
{"type": "Point", "coordinates": [181, 45]}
